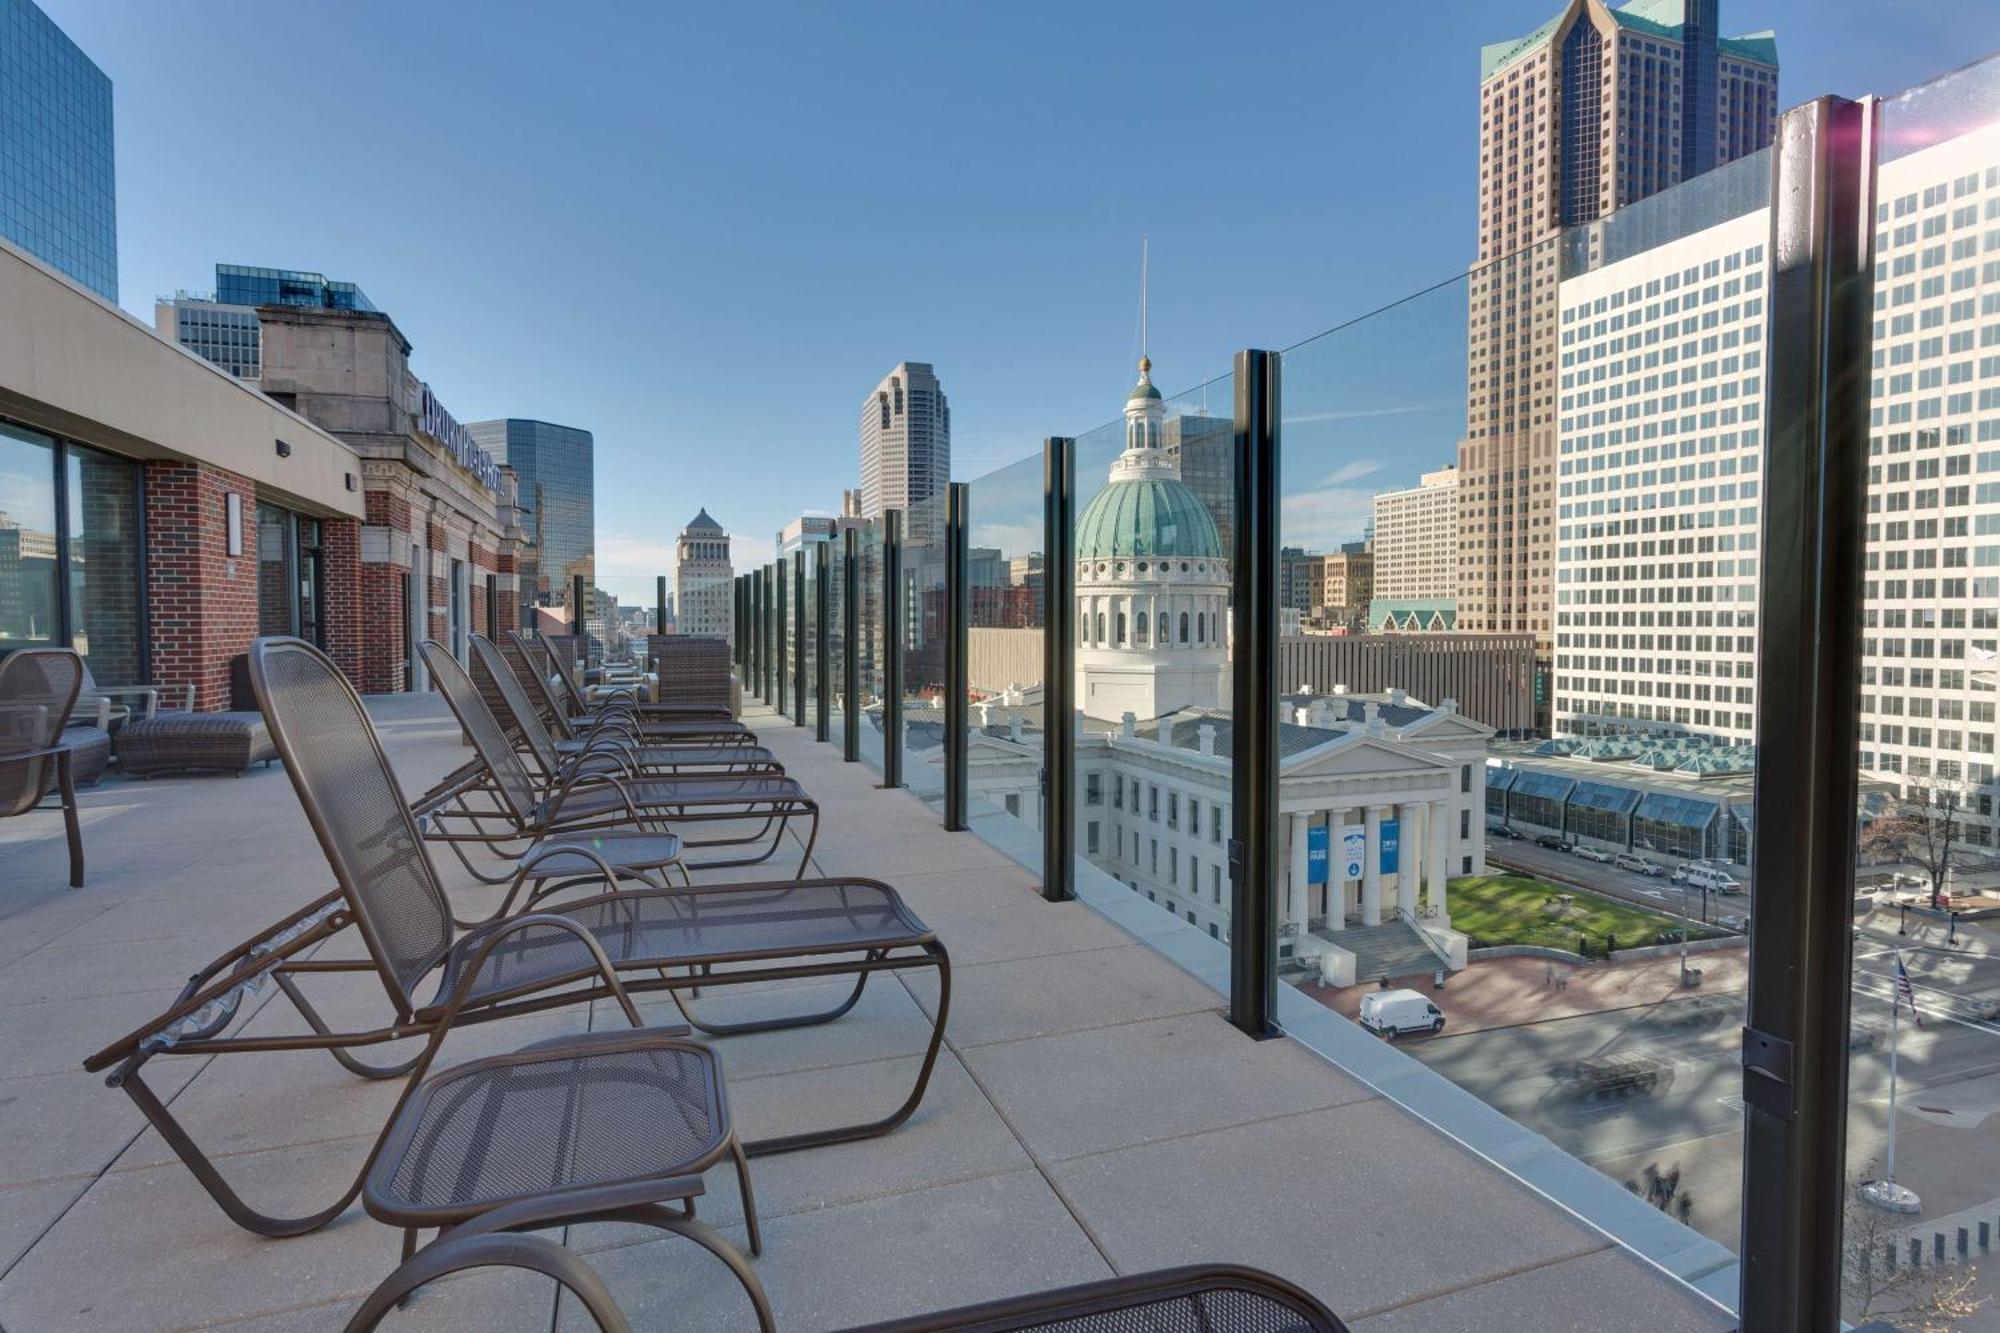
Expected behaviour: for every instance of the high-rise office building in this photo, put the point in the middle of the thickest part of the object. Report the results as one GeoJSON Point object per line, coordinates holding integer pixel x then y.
{"type": "Point", "coordinates": [905, 446]}
{"type": "Point", "coordinates": [1204, 448]}
{"type": "Point", "coordinates": [223, 327]}
{"type": "Point", "coordinates": [704, 580]}
{"type": "Point", "coordinates": [1597, 108]}
{"type": "Point", "coordinates": [557, 470]}
{"type": "Point", "coordinates": [1416, 541]}
{"type": "Point", "coordinates": [58, 192]}
{"type": "Point", "coordinates": [1661, 431]}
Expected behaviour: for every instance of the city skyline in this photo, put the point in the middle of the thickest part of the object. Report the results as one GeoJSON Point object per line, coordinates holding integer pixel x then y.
{"type": "Point", "coordinates": [994, 260]}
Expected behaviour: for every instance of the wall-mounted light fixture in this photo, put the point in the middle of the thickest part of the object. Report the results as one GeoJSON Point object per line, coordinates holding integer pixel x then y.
{"type": "Point", "coordinates": [350, 481]}
{"type": "Point", "coordinates": [232, 517]}
{"type": "Point", "coordinates": [284, 450]}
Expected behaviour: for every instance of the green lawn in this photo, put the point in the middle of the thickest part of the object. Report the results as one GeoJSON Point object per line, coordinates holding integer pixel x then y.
{"type": "Point", "coordinates": [1519, 909]}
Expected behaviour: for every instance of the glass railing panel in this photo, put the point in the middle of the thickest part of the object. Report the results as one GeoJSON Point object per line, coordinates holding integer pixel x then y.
{"type": "Point", "coordinates": [1004, 641]}
{"type": "Point", "coordinates": [1922, 1035]}
{"type": "Point", "coordinates": [924, 640]}
{"type": "Point", "coordinates": [870, 649]}
{"type": "Point", "coordinates": [1155, 525]}
{"type": "Point", "coordinates": [836, 638]}
{"type": "Point", "coordinates": [1519, 578]}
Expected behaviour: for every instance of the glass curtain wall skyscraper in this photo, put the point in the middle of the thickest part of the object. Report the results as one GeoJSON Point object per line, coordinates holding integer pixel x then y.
{"type": "Point", "coordinates": [58, 193]}
{"type": "Point", "coordinates": [557, 471]}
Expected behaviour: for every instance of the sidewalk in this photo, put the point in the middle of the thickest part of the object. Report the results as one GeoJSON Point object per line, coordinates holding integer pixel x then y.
{"type": "Point", "coordinates": [1505, 992]}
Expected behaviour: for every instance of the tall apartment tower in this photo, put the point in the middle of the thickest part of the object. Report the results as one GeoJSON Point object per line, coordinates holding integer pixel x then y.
{"type": "Point", "coordinates": [557, 468]}
{"type": "Point", "coordinates": [1595, 109]}
{"type": "Point", "coordinates": [58, 194]}
{"type": "Point", "coordinates": [905, 445]}
{"type": "Point", "coordinates": [1416, 541]}
{"type": "Point", "coordinates": [703, 580]}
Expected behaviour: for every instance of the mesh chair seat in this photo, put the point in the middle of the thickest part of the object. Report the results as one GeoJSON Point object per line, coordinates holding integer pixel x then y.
{"type": "Point", "coordinates": [563, 853]}
{"type": "Point", "coordinates": [667, 728]}
{"type": "Point", "coordinates": [649, 929]}
{"type": "Point", "coordinates": [689, 794]}
{"type": "Point", "coordinates": [671, 756]}
{"type": "Point", "coordinates": [1207, 1298]}
{"type": "Point", "coordinates": [575, 1111]}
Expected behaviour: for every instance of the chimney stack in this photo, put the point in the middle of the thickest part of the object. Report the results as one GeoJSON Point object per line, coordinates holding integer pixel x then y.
{"type": "Point", "coordinates": [1205, 737]}
{"type": "Point", "coordinates": [1165, 734]}
{"type": "Point", "coordinates": [1128, 725]}
{"type": "Point", "coordinates": [1014, 729]}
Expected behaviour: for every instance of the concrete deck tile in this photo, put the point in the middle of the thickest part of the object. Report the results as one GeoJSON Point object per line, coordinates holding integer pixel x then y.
{"type": "Point", "coordinates": [1088, 1092]}
{"type": "Point", "coordinates": [1033, 997]}
{"type": "Point", "coordinates": [884, 1023]}
{"type": "Point", "coordinates": [149, 1250]}
{"type": "Point", "coordinates": [1008, 925]}
{"type": "Point", "coordinates": [855, 1263]}
{"type": "Point", "coordinates": [1361, 1204]}
{"type": "Point", "coordinates": [1581, 1295]}
{"type": "Point", "coordinates": [27, 1211]}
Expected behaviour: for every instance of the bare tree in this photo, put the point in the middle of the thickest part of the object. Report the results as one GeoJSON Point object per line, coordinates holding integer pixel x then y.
{"type": "Point", "coordinates": [1923, 830]}
{"type": "Point", "coordinates": [1931, 1299]}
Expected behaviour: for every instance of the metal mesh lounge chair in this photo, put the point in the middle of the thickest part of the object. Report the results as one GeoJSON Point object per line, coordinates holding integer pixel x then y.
{"type": "Point", "coordinates": [550, 666]}
{"type": "Point", "coordinates": [690, 672]}
{"type": "Point", "coordinates": [587, 798]}
{"type": "Point", "coordinates": [505, 692]}
{"type": "Point", "coordinates": [1210, 1298]}
{"type": "Point", "coordinates": [711, 936]}
{"type": "Point", "coordinates": [38, 688]}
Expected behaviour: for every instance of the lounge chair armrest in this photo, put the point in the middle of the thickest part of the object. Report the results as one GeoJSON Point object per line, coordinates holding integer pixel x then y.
{"type": "Point", "coordinates": [486, 940]}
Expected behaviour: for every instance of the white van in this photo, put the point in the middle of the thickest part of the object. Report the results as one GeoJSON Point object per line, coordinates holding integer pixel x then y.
{"type": "Point", "coordinates": [1390, 1013]}
{"type": "Point", "coordinates": [1712, 879]}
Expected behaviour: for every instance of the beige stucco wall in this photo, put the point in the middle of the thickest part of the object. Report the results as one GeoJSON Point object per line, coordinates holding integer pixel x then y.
{"type": "Point", "coordinates": [73, 364]}
{"type": "Point", "coordinates": [997, 658]}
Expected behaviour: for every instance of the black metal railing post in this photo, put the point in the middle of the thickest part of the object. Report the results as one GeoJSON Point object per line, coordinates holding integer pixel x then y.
{"type": "Point", "coordinates": [1058, 667]}
{"type": "Point", "coordinates": [764, 613]}
{"type": "Point", "coordinates": [892, 648]}
{"type": "Point", "coordinates": [822, 640]}
{"type": "Point", "coordinates": [1808, 635]}
{"type": "Point", "coordinates": [1253, 844]}
{"type": "Point", "coordinates": [580, 614]}
{"type": "Point", "coordinates": [958, 615]}
{"type": "Point", "coordinates": [799, 637]}
{"type": "Point", "coordinates": [850, 646]}
{"type": "Point", "coordinates": [660, 604]}
{"type": "Point", "coordinates": [779, 646]}
{"type": "Point", "coordinates": [493, 607]}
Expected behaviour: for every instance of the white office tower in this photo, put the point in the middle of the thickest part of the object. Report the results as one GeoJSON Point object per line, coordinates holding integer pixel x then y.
{"type": "Point", "coordinates": [906, 447]}
{"type": "Point", "coordinates": [703, 580]}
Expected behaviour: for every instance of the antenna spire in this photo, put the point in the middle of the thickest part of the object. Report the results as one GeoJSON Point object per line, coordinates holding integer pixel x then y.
{"type": "Point", "coordinates": [1145, 361]}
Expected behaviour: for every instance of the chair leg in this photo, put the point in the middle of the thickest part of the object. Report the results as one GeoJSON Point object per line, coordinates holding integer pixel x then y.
{"type": "Point", "coordinates": [67, 781]}
{"type": "Point", "coordinates": [749, 1196]}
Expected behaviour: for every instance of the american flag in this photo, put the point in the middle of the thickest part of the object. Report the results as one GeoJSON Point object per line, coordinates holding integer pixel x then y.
{"type": "Point", "coordinates": [1905, 991]}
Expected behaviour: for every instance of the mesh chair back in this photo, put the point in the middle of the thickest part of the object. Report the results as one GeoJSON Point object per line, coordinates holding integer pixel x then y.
{"type": "Point", "coordinates": [502, 691]}
{"type": "Point", "coordinates": [691, 670]}
{"type": "Point", "coordinates": [521, 655]}
{"type": "Point", "coordinates": [38, 689]}
{"type": "Point", "coordinates": [503, 762]}
{"type": "Point", "coordinates": [356, 809]}
{"type": "Point", "coordinates": [565, 674]}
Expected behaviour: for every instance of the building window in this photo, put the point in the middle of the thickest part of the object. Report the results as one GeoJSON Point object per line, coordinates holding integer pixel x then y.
{"type": "Point", "coordinates": [65, 500]}
{"type": "Point", "coordinates": [1173, 809]}
{"type": "Point", "coordinates": [1143, 618]}
{"type": "Point", "coordinates": [1090, 837]}
{"type": "Point", "coordinates": [288, 574]}
{"type": "Point", "coordinates": [1215, 823]}
{"type": "Point", "coordinates": [1184, 627]}
{"type": "Point", "coordinates": [1093, 789]}
{"type": "Point", "coordinates": [1153, 803]}
{"type": "Point", "coordinates": [1117, 791]}
{"type": "Point", "coordinates": [1121, 629]}
{"type": "Point", "coordinates": [1013, 802]}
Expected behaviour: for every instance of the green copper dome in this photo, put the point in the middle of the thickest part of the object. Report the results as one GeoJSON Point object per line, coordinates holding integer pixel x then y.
{"type": "Point", "coordinates": [1147, 516]}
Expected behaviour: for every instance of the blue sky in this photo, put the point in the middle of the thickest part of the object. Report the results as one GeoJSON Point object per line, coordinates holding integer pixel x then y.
{"type": "Point", "coordinates": [704, 232]}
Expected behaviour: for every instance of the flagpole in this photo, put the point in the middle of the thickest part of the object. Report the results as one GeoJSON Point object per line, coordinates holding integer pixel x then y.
{"type": "Point", "coordinates": [1895, 1031]}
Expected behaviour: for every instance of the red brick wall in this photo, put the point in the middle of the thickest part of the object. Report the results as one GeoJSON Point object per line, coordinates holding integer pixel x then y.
{"type": "Point", "coordinates": [202, 603]}
{"type": "Point", "coordinates": [340, 594]}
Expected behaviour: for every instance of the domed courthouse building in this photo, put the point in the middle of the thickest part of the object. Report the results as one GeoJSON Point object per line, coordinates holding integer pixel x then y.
{"type": "Point", "coordinates": [1381, 796]}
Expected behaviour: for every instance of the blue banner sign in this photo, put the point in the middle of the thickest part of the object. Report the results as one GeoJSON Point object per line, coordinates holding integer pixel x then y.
{"type": "Point", "coordinates": [1316, 854]}
{"type": "Point", "coordinates": [1392, 830]}
{"type": "Point", "coordinates": [1353, 850]}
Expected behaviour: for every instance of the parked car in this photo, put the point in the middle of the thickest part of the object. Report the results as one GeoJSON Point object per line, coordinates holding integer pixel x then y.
{"type": "Point", "coordinates": [1390, 1013]}
{"type": "Point", "coordinates": [1502, 831]}
{"type": "Point", "coordinates": [1734, 922]}
{"type": "Point", "coordinates": [1618, 1073]}
{"type": "Point", "coordinates": [1638, 865]}
{"type": "Point", "coordinates": [1597, 854]}
{"type": "Point", "coordinates": [1697, 876]}
{"type": "Point", "coordinates": [1553, 841]}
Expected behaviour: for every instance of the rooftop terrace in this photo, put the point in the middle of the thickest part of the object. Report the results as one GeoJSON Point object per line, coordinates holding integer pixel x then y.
{"type": "Point", "coordinates": [1094, 1113]}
